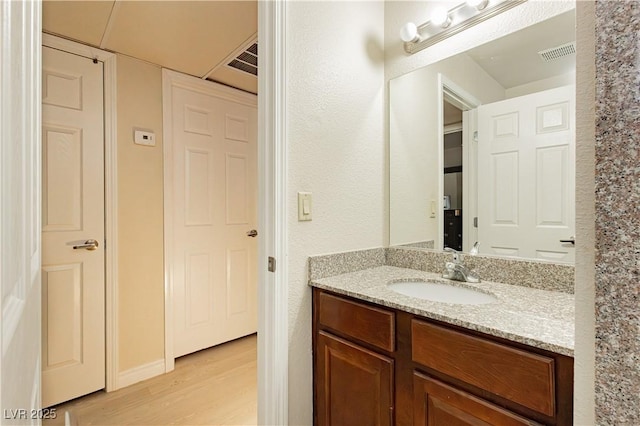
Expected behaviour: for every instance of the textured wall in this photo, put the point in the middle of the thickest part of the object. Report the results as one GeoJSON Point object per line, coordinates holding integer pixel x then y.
{"type": "Point", "coordinates": [617, 179]}
{"type": "Point", "coordinates": [140, 216]}
{"type": "Point", "coordinates": [335, 75]}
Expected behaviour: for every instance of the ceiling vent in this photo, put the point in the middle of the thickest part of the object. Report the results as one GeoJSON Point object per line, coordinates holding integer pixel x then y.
{"type": "Point", "coordinates": [555, 53]}
{"type": "Point", "coordinates": [247, 60]}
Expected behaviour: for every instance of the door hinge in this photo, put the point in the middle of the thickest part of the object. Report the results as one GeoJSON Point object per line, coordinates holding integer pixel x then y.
{"type": "Point", "coordinates": [271, 264]}
{"type": "Point", "coordinates": [475, 222]}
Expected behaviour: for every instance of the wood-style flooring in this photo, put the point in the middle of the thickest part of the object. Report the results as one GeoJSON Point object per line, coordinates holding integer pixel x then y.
{"type": "Point", "coordinates": [216, 386]}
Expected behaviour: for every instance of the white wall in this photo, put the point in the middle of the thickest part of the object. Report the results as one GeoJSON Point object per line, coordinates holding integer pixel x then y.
{"type": "Point", "coordinates": [335, 75]}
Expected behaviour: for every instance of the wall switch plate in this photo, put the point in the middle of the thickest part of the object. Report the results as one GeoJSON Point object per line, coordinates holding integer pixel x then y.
{"type": "Point", "coordinates": [304, 206]}
{"type": "Point", "coordinates": [140, 137]}
{"type": "Point", "coordinates": [433, 208]}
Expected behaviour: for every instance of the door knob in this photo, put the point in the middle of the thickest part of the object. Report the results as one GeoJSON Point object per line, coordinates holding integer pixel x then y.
{"type": "Point", "coordinates": [570, 240]}
{"type": "Point", "coordinates": [253, 233]}
{"type": "Point", "coordinates": [88, 245]}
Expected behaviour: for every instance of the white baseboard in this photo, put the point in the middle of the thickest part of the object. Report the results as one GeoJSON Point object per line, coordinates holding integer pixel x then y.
{"type": "Point", "coordinates": [140, 373]}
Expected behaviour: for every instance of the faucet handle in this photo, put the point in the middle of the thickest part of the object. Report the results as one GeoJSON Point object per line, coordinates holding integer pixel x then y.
{"type": "Point", "coordinates": [457, 256]}
{"type": "Point", "coordinates": [475, 249]}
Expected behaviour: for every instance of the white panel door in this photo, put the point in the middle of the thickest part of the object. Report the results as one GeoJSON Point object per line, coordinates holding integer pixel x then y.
{"type": "Point", "coordinates": [526, 181]}
{"type": "Point", "coordinates": [73, 339]}
{"type": "Point", "coordinates": [214, 208]}
{"type": "Point", "coordinates": [20, 212]}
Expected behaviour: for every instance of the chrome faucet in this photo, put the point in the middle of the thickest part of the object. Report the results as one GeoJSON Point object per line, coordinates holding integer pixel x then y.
{"type": "Point", "coordinates": [456, 270]}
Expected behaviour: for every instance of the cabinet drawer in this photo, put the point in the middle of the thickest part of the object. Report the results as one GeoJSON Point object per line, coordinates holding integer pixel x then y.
{"type": "Point", "coordinates": [514, 374]}
{"type": "Point", "coordinates": [366, 323]}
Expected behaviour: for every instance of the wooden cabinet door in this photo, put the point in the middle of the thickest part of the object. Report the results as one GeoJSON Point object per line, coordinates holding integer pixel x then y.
{"type": "Point", "coordinates": [437, 404]}
{"type": "Point", "coordinates": [354, 386]}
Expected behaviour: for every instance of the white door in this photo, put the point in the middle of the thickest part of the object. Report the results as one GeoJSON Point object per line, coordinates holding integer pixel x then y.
{"type": "Point", "coordinates": [526, 153]}
{"type": "Point", "coordinates": [213, 149]}
{"type": "Point", "coordinates": [19, 212]}
{"type": "Point", "coordinates": [73, 339]}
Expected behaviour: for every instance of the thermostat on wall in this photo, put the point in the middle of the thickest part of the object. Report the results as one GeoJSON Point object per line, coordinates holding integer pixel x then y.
{"type": "Point", "coordinates": [144, 138]}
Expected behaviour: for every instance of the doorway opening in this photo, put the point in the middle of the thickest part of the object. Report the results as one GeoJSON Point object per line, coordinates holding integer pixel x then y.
{"type": "Point", "coordinates": [453, 172]}
{"type": "Point", "coordinates": [458, 172]}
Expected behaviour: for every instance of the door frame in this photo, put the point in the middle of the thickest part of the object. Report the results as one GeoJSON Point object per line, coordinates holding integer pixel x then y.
{"type": "Point", "coordinates": [465, 101]}
{"type": "Point", "coordinates": [110, 196]}
{"type": "Point", "coordinates": [273, 295]}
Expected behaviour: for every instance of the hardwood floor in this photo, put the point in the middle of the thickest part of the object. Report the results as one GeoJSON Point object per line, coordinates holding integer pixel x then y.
{"type": "Point", "coordinates": [216, 386]}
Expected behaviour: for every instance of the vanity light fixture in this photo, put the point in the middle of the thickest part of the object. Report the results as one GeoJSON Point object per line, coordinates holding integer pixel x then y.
{"type": "Point", "coordinates": [440, 16]}
{"type": "Point", "coordinates": [478, 4]}
{"type": "Point", "coordinates": [445, 23]}
{"type": "Point", "coordinates": [409, 33]}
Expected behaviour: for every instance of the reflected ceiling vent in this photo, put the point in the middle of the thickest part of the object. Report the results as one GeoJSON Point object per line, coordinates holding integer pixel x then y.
{"type": "Point", "coordinates": [554, 53]}
{"type": "Point", "coordinates": [247, 61]}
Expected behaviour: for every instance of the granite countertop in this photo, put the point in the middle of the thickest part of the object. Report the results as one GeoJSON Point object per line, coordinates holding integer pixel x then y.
{"type": "Point", "coordinates": [540, 318]}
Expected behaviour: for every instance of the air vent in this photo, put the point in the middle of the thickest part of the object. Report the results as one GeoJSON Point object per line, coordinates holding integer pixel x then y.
{"type": "Point", "coordinates": [555, 53]}
{"type": "Point", "coordinates": [247, 61]}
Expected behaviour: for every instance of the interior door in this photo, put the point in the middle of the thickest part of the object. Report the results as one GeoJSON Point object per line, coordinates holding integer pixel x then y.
{"type": "Point", "coordinates": [214, 150]}
{"type": "Point", "coordinates": [73, 336]}
{"type": "Point", "coordinates": [526, 179]}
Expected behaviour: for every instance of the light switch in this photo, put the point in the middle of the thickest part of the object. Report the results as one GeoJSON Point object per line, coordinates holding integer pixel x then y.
{"type": "Point", "coordinates": [433, 208]}
{"type": "Point", "coordinates": [304, 206]}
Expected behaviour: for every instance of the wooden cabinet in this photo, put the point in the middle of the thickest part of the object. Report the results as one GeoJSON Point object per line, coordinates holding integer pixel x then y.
{"type": "Point", "coordinates": [520, 376]}
{"type": "Point", "coordinates": [379, 366]}
{"type": "Point", "coordinates": [353, 362]}
{"type": "Point", "coordinates": [437, 404]}
{"type": "Point", "coordinates": [354, 385]}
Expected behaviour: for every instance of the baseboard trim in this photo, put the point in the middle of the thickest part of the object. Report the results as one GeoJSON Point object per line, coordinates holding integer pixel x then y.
{"type": "Point", "coordinates": [140, 373]}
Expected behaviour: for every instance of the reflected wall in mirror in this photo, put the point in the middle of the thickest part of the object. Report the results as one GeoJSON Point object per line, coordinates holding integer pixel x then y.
{"type": "Point", "coordinates": [482, 147]}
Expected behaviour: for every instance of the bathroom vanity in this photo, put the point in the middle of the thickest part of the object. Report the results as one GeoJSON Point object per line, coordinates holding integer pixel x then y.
{"type": "Point", "coordinates": [384, 358]}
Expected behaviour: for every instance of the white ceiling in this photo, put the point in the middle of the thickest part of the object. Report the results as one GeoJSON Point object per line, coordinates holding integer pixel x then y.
{"type": "Point", "coordinates": [513, 60]}
{"type": "Point", "coordinates": [194, 37]}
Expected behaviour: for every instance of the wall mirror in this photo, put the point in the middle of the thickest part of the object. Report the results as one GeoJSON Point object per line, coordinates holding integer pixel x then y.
{"type": "Point", "coordinates": [482, 148]}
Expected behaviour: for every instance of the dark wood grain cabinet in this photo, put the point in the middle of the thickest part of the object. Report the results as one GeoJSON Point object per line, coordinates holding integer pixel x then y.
{"type": "Point", "coordinates": [379, 366]}
{"type": "Point", "coordinates": [355, 385]}
{"type": "Point", "coordinates": [436, 403]}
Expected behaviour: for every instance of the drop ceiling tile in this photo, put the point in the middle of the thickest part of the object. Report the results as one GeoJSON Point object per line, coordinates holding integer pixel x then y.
{"type": "Point", "coordinates": [84, 21]}
{"type": "Point", "coordinates": [188, 36]}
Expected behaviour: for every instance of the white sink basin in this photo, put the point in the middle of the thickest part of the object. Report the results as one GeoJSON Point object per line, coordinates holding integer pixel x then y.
{"type": "Point", "coordinates": [438, 292]}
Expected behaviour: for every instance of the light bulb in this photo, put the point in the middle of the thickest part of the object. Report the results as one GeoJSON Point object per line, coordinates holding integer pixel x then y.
{"type": "Point", "coordinates": [409, 33]}
{"type": "Point", "coordinates": [478, 4]}
{"type": "Point", "coordinates": [440, 16]}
